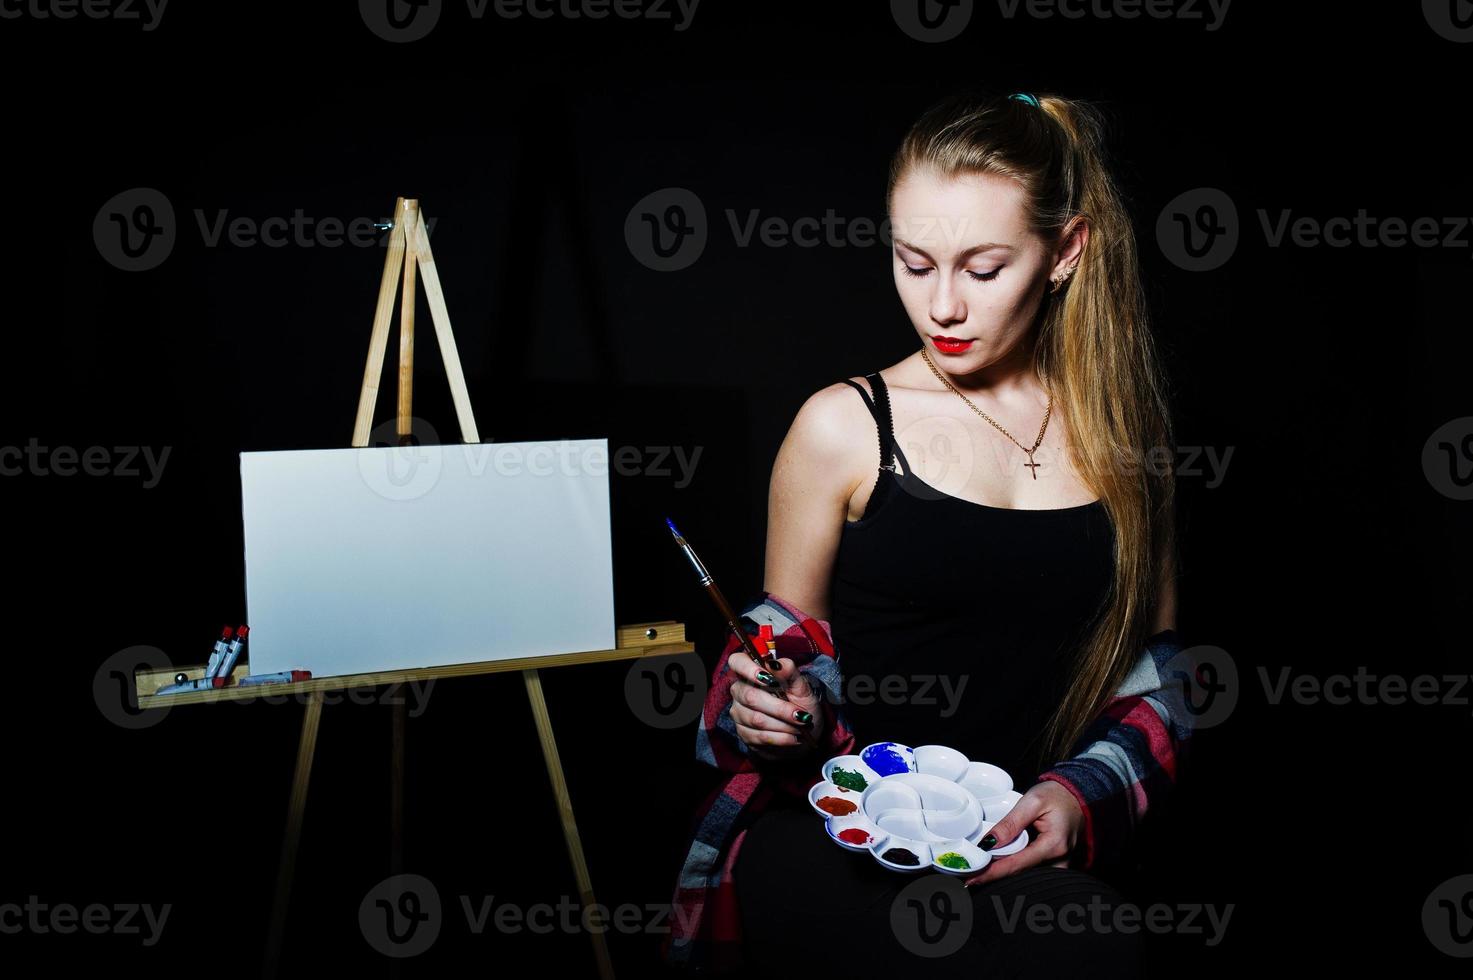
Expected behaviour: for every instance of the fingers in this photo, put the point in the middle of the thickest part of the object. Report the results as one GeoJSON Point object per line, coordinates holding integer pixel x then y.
{"type": "Point", "coordinates": [757, 725]}
{"type": "Point", "coordinates": [1023, 813]}
{"type": "Point", "coordinates": [782, 709]}
{"type": "Point", "coordinates": [1044, 848]}
{"type": "Point", "coordinates": [739, 662]}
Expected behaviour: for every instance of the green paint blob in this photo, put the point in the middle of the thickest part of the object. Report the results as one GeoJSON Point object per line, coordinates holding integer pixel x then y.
{"type": "Point", "coordinates": [952, 859]}
{"type": "Point", "coordinates": [847, 779]}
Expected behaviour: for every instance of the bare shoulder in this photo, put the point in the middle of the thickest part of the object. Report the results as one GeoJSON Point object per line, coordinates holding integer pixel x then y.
{"type": "Point", "coordinates": [829, 418]}
{"type": "Point", "coordinates": [827, 439]}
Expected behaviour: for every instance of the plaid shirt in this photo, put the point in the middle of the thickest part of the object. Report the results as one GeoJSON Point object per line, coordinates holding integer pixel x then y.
{"type": "Point", "coordinates": [1125, 761]}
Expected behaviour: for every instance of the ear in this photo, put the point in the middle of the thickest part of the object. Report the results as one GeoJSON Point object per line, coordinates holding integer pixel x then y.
{"type": "Point", "coordinates": [1070, 251]}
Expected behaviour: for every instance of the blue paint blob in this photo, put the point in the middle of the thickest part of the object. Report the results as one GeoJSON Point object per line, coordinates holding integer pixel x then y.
{"type": "Point", "coordinates": [889, 758]}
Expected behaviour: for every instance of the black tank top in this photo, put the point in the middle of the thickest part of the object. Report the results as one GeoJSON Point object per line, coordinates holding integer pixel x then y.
{"type": "Point", "coordinates": [992, 601]}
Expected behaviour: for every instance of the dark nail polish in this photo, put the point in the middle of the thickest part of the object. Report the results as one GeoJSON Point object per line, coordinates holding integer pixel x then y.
{"type": "Point", "coordinates": [989, 842]}
{"type": "Point", "coordinates": [775, 666]}
{"type": "Point", "coordinates": [803, 717]}
{"type": "Point", "coordinates": [765, 677]}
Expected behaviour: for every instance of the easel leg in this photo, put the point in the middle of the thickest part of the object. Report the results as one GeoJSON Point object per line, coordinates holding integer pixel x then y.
{"type": "Point", "coordinates": [284, 871]}
{"type": "Point", "coordinates": [565, 809]}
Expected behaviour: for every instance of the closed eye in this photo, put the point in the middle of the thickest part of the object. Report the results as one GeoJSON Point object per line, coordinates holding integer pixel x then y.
{"type": "Point", "coordinates": [923, 271]}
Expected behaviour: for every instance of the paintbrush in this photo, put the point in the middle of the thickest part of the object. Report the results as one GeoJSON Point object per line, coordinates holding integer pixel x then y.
{"type": "Point", "coordinates": [732, 621]}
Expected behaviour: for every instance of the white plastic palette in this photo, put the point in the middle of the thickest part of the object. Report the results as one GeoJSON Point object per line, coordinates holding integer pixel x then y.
{"type": "Point", "coordinates": [927, 804]}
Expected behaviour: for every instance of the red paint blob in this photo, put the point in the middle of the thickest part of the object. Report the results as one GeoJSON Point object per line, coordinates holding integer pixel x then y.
{"type": "Point", "coordinates": [854, 836]}
{"type": "Point", "coordinates": [836, 806]}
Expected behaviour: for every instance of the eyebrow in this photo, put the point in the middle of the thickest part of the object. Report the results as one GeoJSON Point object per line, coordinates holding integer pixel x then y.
{"type": "Point", "coordinates": [983, 247]}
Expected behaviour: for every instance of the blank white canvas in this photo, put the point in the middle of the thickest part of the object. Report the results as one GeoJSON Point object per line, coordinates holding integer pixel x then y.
{"type": "Point", "coordinates": [388, 558]}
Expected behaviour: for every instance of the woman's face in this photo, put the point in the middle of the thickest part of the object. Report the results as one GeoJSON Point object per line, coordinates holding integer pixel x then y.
{"type": "Point", "coordinates": [967, 266]}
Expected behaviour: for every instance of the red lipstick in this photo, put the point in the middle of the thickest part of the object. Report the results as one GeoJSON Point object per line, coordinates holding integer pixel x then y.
{"type": "Point", "coordinates": [950, 345]}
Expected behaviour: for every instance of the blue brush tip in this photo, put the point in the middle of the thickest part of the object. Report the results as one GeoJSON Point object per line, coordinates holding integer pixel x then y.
{"type": "Point", "coordinates": [671, 524]}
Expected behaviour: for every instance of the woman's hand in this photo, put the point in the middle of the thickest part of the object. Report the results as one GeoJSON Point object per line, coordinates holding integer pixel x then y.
{"type": "Point", "coordinates": [769, 726]}
{"type": "Point", "coordinates": [1050, 808]}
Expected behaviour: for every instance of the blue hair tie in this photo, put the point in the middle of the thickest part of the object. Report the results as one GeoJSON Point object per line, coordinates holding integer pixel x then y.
{"type": "Point", "coordinates": [1024, 97]}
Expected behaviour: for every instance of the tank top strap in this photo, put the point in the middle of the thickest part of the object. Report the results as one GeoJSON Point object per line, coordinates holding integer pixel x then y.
{"type": "Point", "coordinates": [879, 407]}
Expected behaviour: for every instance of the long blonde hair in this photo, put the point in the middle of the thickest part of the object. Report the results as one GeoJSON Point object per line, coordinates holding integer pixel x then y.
{"type": "Point", "coordinates": [1093, 345]}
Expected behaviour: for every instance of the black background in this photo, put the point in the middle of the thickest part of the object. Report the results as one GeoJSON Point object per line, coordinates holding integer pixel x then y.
{"type": "Point", "coordinates": [1324, 369]}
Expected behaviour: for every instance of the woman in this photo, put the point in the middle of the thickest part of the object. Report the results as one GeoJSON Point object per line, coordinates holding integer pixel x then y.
{"type": "Point", "coordinates": [1002, 584]}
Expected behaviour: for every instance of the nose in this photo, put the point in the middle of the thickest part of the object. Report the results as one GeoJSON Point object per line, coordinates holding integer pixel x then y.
{"type": "Point", "coordinates": [946, 303]}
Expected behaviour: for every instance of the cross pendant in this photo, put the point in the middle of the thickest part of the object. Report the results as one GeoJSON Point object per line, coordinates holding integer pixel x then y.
{"type": "Point", "coordinates": [1034, 466]}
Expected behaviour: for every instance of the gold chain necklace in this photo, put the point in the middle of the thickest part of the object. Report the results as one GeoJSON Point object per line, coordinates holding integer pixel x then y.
{"type": "Point", "coordinates": [1033, 467]}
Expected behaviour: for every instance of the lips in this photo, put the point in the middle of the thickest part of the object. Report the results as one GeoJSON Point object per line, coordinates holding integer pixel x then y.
{"type": "Point", "coordinates": [950, 345]}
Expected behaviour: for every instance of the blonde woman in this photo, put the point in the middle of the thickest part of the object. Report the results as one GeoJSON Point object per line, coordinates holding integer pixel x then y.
{"type": "Point", "coordinates": [971, 547]}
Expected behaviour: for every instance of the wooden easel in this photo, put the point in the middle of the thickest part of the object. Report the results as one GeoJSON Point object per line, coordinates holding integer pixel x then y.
{"type": "Point", "coordinates": [409, 248]}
